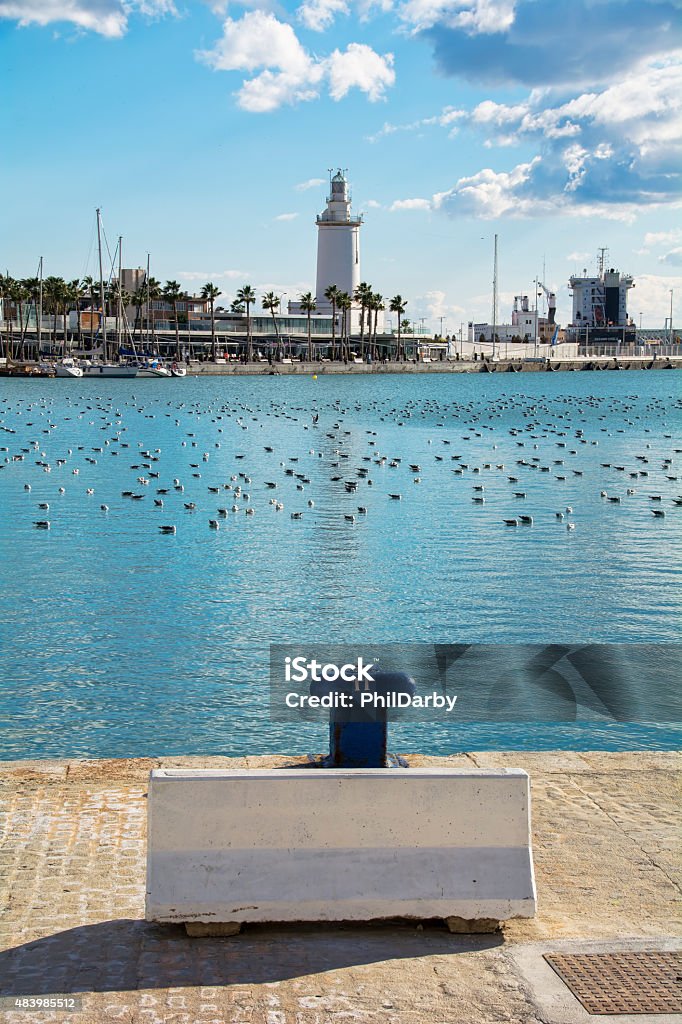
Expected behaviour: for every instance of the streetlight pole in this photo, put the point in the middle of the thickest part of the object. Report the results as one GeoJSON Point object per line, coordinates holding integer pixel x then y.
{"type": "Point", "coordinates": [495, 298]}
{"type": "Point", "coordinates": [671, 316]}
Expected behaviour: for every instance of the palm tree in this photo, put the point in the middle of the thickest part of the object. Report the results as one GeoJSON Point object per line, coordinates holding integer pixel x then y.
{"type": "Point", "coordinates": [91, 289]}
{"type": "Point", "coordinates": [172, 293]}
{"type": "Point", "coordinates": [344, 302]}
{"type": "Point", "coordinates": [52, 289]}
{"type": "Point", "coordinates": [70, 299]}
{"type": "Point", "coordinates": [139, 297]}
{"type": "Point", "coordinates": [271, 302]}
{"type": "Point", "coordinates": [332, 295]}
{"type": "Point", "coordinates": [154, 293]}
{"type": "Point", "coordinates": [246, 297]}
{"type": "Point", "coordinates": [21, 295]}
{"type": "Point", "coordinates": [125, 299]}
{"type": "Point", "coordinates": [32, 285]}
{"type": "Point", "coordinates": [397, 305]}
{"type": "Point", "coordinates": [6, 286]}
{"type": "Point", "coordinates": [236, 306]}
{"type": "Point", "coordinates": [363, 295]}
{"type": "Point", "coordinates": [308, 305]}
{"type": "Point", "coordinates": [407, 329]}
{"type": "Point", "coordinates": [376, 306]}
{"type": "Point", "coordinates": [211, 292]}
{"type": "Point", "coordinates": [80, 292]}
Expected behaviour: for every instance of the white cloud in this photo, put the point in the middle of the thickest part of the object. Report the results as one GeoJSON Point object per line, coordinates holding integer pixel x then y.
{"type": "Point", "coordinates": [359, 67]}
{"type": "Point", "coordinates": [410, 204]}
{"type": "Point", "coordinates": [291, 74]}
{"type": "Point", "coordinates": [652, 298]}
{"type": "Point", "coordinates": [606, 152]}
{"type": "Point", "coordinates": [212, 275]}
{"type": "Point", "coordinates": [471, 16]}
{"type": "Point", "coordinates": [579, 257]}
{"type": "Point", "coordinates": [448, 116]}
{"type": "Point", "coordinates": [662, 237]}
{"type": "Point", "coordinates": [488, 194]}
{"type": "Point", "coordinates": [436, 305]}
{"type": "Point", "coordinates": [269, 91]}
{"type": "Point", "coordinates": [318, 15]}
{"type": "Point", "coordinates": [303, 186]}
{"type": "Point", "coordinates": [286, 216]}
{"type": "Point", "coordinates": [673, 257]}
{"type": "Point", "coordinates": [258, 40]}
{"type": "Point", "coordinates": [105, 17]}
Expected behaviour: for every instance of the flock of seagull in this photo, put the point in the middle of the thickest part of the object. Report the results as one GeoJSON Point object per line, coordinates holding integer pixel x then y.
{"type": "Point", "coordinates": [346, 443]}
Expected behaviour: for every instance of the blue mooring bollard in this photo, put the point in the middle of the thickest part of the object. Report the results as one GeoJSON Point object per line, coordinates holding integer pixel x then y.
{"type": "Point", "coordinates": [358, 736]}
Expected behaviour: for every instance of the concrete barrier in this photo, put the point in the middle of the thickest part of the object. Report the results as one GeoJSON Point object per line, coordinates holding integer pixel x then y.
{"type": "Point", "coordinates": [229, 847]}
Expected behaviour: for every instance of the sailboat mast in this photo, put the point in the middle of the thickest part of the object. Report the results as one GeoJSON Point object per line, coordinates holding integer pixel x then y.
{"type": "Point", "coordinates": [39, 325]}
{"type": "Point", "coordinates": [148, 307]}
{"type": "Point", "coordinates": [101, 287]}
{"type": "Point", "coordinates": [119, 303]}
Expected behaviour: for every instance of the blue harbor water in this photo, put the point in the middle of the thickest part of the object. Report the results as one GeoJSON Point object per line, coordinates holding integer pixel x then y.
{"type": "Point", "coordinates": [119, 640]}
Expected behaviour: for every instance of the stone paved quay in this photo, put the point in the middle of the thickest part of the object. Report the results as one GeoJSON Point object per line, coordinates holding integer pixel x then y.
{"type": "Point", "coordinates": [607, 860]}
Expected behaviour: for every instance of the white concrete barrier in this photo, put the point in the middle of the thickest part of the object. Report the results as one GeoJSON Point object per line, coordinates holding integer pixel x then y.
{"type": "Point", "coordinates": [336, 845]}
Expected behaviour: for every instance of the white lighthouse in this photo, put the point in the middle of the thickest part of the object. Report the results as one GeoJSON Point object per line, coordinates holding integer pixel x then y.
{"type": "Point", "coordinates": [338, 243]}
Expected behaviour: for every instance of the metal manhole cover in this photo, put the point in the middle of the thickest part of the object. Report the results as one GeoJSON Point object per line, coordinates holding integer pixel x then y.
{"type": "Point", "coordinates": [622, 982]}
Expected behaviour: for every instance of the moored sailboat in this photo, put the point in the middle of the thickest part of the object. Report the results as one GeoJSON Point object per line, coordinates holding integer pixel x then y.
{"type": "Point", "coordinates": [105, 368]}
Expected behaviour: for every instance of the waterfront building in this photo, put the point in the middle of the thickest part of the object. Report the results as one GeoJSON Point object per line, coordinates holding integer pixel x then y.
{"type": "Point", "coordinates": [527, 325]}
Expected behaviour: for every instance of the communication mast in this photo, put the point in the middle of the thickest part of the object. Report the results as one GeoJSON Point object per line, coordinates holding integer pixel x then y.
{"type": "Point", "coordinates": [601, 260]}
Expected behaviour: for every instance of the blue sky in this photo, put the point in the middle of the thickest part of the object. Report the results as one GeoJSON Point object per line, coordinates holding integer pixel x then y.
{"type": "Point", "coordinates": [205, 132]}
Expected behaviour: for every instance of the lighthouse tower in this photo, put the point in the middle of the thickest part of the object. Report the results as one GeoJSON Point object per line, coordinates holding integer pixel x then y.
{"type": "Point", "coordinates": [338, 243]}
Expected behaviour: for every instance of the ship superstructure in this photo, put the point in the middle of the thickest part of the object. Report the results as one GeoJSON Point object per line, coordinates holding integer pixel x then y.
{"type": "Point", "coordinates": [600, 306]}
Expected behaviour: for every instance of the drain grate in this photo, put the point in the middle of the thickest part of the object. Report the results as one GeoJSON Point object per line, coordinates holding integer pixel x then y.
{"type": "Point", "coordinates": [622, 982]}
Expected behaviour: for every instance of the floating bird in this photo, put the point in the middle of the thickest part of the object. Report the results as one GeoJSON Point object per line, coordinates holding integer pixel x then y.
{"type": "Point", "coordinates": [42, 524]}
{"type": "Point", "coordinates": [511, 522]}
{"type": "Point", "coordinates": [167, 529]}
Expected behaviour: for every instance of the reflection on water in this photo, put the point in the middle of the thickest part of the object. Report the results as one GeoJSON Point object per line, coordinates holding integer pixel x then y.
{"type": "Point", "coordinates": [119, 640]}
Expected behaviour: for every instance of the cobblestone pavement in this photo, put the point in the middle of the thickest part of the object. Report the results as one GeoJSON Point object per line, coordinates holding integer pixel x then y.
{"type": "Point", "coordinates": [72, 864]}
